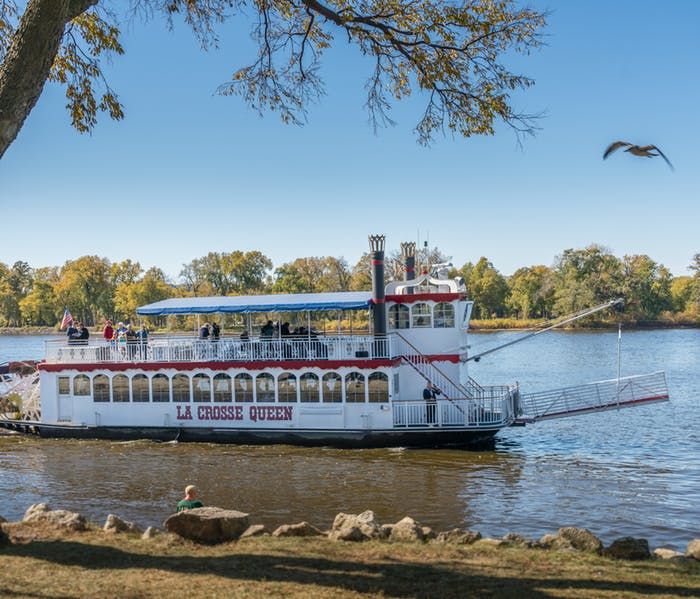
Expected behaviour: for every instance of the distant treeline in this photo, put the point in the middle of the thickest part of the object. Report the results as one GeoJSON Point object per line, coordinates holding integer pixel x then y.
{"type": "Point", "coordinates": [95, 288]}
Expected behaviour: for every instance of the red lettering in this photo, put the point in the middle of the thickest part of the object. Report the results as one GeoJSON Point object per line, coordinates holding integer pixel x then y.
{"type": "Point", "coordinates": [238, 413]}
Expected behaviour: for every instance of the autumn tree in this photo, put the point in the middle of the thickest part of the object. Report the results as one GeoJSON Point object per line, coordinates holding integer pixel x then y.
{"type": "Point", "coordinates": [152, 287]}
{"type": "Point", "coordinates": [452, 53]}
{"type": "Point", "coordinates": [488, 289]}
{"type": "Point", "coordinates": [85, 287]}
{"type": "Point", "coordinates": [531, 292]}
{"type": "Point", "coordinates": [227, 273]}
{"type": "Point", "coordinates": [40, 306]}
{"type": "Point", "coordinates": [312, 275]}
{"type": "Point", "coordinates": [646, 287]}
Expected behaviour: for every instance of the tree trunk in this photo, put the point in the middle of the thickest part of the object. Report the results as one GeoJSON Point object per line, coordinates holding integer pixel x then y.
{"type": "Point", "coordinates": [28, 61]}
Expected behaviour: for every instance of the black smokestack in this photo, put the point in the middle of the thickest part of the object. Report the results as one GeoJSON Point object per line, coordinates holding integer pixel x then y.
{"type": "Point", "coordinates": [376, 246]}
{"type": "Point", "coordinates": [408, 251]}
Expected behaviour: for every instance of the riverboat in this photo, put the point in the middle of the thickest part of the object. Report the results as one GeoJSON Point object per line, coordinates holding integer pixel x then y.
{"type": "Point", "coordinates": [316, 387]}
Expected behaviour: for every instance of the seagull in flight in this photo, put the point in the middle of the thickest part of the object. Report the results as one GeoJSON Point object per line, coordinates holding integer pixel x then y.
{"type": "Point", "coordinates": [644, 151]}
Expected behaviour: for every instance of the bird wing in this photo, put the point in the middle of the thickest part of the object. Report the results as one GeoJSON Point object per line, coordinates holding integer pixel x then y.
{"type": "Point", "coordinates": [614, 146]}
{"type": "Point", "coordinates": [662, 156]}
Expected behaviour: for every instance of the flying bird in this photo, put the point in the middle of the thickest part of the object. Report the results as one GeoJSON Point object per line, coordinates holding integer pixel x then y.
{"type": "Point", "coordinates": [644, 151]}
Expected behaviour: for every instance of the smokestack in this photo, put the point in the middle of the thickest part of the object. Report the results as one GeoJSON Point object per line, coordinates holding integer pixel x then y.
{"type": "Point", "coordinates": [408, 251]}
{"type": "Point", "coordinates": [376, 247]}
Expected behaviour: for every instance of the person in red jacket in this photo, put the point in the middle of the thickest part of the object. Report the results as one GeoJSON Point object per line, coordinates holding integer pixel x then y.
{"type": "Point", "coordinates": [108, 331]}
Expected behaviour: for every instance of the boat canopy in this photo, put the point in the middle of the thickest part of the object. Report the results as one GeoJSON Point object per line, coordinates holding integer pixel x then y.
{"type": "Point", "coordinates": [245, 304]}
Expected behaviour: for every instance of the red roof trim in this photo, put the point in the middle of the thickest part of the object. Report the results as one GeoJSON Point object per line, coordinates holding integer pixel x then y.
{"type": "Point", "coordinates": [421, 297]}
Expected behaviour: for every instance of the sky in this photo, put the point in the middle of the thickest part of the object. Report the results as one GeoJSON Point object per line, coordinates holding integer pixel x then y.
{"type": "Point", "coordinates": [188, 171]}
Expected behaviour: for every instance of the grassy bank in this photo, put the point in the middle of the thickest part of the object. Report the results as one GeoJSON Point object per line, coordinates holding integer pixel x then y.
{"type": "Point", "coordinates": [45, 562]}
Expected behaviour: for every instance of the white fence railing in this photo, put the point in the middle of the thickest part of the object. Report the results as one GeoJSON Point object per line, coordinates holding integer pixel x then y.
{"type": "Point", "coordinates": [595, 397]}
{"type": "Point", "coordinates": [187, 349]}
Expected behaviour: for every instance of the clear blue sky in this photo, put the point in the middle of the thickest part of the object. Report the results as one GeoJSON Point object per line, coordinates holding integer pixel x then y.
{"type": "Point", "coordinates": [188, 172]}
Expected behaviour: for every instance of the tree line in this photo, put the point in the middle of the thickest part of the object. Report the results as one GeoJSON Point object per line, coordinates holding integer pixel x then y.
{"type": "Point", "coordinates": [94, 288]}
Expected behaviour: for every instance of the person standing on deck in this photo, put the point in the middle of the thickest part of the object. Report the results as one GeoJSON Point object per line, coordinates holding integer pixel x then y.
{"type": "Point", "coordinates": [190, 501]}
{"type": "Point", "coordinates": [108, 331]}
{"type": "Point", "coordinates": [204, 331]}
{"type": "Point", "coordinates": [430, 394]}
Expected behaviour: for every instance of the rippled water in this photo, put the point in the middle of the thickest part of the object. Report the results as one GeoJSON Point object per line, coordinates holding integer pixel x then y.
{"type": "Point", "coordinates": [633, 472]}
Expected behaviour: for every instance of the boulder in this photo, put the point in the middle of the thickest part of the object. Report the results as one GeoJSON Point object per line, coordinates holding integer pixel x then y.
{"type": "Point", "coordinates": [303, 529]}
{"type": "Point", "coordinates": [150, 533]}
{"type": "Point", "coordinates": [666, 553]}
{"type": "Point", "coordinates": [41, 512]}
{"type": "Point", "coordinates": [407, 530]}
{"type": "Point", "coordinates": [4, 539]}
{"type": "Point", "coordinates": [254, 530]}
{"type": "Point", "coordinates": [628, 548]}
{"type": "Point", "coordinates": [385, 531]}
{"type": "Point", "coordinates": [513, 538]}
{"type": "Point", "coordinates": [428, 533]}
{"type": "Point", "coordinates": [580, 539]}
{"type": "Point", "coordinates": [693, 549]}
{"type": "Point", "coordinates": [351, 527]}
{"type": "Point", "coordinates": [550, 541]}
{"type": "Point", "coordinates": [115, 524]}
{"type": "Point", "coordinates": [208, 524]}
{"type": "Point", "coordinates": [458, 536]}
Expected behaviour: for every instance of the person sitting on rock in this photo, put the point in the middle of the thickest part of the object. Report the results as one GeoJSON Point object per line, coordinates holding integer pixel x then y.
{"type": "Point", "coordinates": [190, 501]}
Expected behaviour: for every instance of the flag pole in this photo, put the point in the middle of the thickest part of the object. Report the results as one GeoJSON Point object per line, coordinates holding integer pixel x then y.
{"type": "Point", "coordinates": [619, 360]}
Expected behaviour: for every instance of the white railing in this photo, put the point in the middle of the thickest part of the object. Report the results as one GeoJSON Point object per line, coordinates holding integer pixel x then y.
{"type": "Point", "coordinates": [477, 413]}
{"type": "Point", "coordinates": [595, 397]}
{"type": "Point", "coordinates": [188, 349]}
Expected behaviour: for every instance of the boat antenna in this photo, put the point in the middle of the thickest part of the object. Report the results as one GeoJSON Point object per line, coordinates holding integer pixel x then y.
{"type": "Point", "coordinates": [619, 360]}
{"type": "Point", "coordinates": [565, 320]}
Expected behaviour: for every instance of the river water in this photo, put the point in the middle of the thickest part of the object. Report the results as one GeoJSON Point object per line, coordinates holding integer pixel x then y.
{"type": "Point", "coordinates": [633, 472]}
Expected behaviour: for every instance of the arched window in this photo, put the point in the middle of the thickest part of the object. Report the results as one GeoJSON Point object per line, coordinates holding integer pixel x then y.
{"type": "Point", "coordinates": [332, 388]}
{"type": "Point", "coordinates": [287, 387]}
{"type": "Point", "coordinates": [160, 387]}
{"type": "Point", "coordinates": [100, 388]}
{"type": "Point", "coordinates": [444, 315]}
{"type": "Point", "coordinates": [398, 316]}
{"type": "Point", "coordinates": [139, 387]}
{"type": "Point", "coordinates": [120, 387]}
{"type": "Point", "coordinates": [355, 387]}
{"type": "Point", "coordinates": [201, 387]}
{"type": "Point", "coordinates": [421, 316]}
{"type": "Point", "coordinates": [308, 387]}
{"type": "Point", "coordinates": [243, 387]}
{"type": "Point", "coordinates": [264, 388]}
{"type": "Point", "coordinates": [81, 385]}
{"type": "Point", "coordinates": [222, 388]}
{"type": "Point", "coordinates": [181, 388]}
{"type": "Point", "coordinates": [378, 387]}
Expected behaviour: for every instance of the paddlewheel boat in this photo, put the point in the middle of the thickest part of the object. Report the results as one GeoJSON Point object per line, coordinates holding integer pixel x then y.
{"type": "Point", "coordinates": [334, 388]}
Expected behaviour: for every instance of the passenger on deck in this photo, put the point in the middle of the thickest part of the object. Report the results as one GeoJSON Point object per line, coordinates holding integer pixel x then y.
{"type": "Point", "coordinates": [204, 331]}
{"type": "Point", "coordinates": [284, 331]}
{"type": "Point", "coordinates": [430, 394]}
{"type": "Point", "coordinates": [267, 330]}
{"type": "Point", "coordinates": [108, 331]}
{"type": "Point", "coordinates": [72, 333]}
{"type": "Point", "coordinates": [215, 331]}
{"type": "Point", "coordinates": [83, 334]}
{"type": "Point", "coordinates": [142, 334]}
{"type": "Point", "coordinates": [190, 501]}
{"type": "Point", "coordinates": [245, 336]}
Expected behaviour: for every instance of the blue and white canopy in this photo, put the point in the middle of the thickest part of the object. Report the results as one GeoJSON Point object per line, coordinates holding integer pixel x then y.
{"type": "Point", "coordinates": [244, 304]}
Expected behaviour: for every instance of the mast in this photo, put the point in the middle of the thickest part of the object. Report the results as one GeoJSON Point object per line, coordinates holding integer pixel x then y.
{"type": "Point", "coordinates": [376, 246]}
{"type": "Point", "coordinates": [408, 251]}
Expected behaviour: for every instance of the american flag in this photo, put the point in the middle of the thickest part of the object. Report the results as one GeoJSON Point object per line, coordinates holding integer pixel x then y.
{"type": "Point", "coordinates": [67, 319]}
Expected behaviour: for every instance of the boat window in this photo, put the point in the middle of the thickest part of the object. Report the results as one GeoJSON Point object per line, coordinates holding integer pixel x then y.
{"type": "Point", "coordinates": [332, 388]}
{"type": "Point", "coordinates": [398, 316]}
{"type": "Point", "coordinates": [201, 387]}
{"type": "Point", "coordinates": [160, 387]}
{"type": "Point", "coordinates": [444, 315]}
{"type": "Point", "coordinates": [421, 315]}
{"type": "Point", "coordinates": [265, 388]}
{"type": "Point", "coordinates": [308, 387]}
{"type": "Point", "coordinates": [64, 385]}
{"type": "Point", "coordinates": [181, 388]}
{"type": "Point", "coordinates": [355, 387]}
{"type": "Point", "coordinates": [100, 388]}
{"type": "Point", "coordinates": [222, 388]}
{"type": "Point", "coordinates": [139, 387]}
{"type": "Point", "coordinates": [81, 385]}
{"type": "Point", "coordinates": [120, 388]}
{"type": "Point", "coordinates": [287, 387]}
{"type": "Point", "coordinates": [378, 387]}
{"type": "Point", "coordinates": [243, 386]}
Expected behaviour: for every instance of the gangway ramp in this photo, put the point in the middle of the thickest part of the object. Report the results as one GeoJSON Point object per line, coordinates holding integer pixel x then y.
{"type": "Point", "coordinates": [625, 392]}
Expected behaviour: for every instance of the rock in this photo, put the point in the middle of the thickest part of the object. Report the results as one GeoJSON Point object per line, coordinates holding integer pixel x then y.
{"type": "Point", "coordinates": [580, 539]}
{"type": "Point", "coordinates": [4, 539]}
{"type": "Point", "coordinates": [628, 548]}
{"type": "Point", "coordinates": [385, 531]}
{"type": "Point", "coordinates": [406, 530]}
{"type": "Point", "coordinates": [150, 533]}
{"type": "Point", "coordinates": [351, 527]}
{"type": "Point", "coordinates": [549, 541]}
{"type": "Point", "coordinates": [666, 553]}
{"type": "Point", "coordinates": [254, 530]}
{"type": "Point", "coordinates": [458, 536]}
{"type": "Point", "coordinates": [693, 549]}
{"type": "Point", "coordinates": [115, 524]}
{"type": "Point", "coordinates": [303, 529]}
{"type": "Point", "coordinates": [41, 512]}
{"type": "Point", "coordinates": [428, 533]}
{"type": "Point", "coordinates": [513, 538]}
{"type": "Point", "coordinates": [208, 524]}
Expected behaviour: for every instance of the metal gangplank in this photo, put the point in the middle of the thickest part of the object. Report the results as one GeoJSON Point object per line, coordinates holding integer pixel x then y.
{"type": "Point", "coordinates": [600, 396]}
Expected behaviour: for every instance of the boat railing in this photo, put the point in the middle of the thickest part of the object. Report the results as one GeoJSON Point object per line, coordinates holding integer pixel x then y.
{"type": "Point", "coordinates": [491, 410]}
{"type": "Point", "coordinates": [188, 349]}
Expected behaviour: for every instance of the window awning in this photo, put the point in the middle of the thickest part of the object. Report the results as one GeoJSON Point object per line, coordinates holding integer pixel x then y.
{"type": "Point", "coordinates": [245, 304]}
